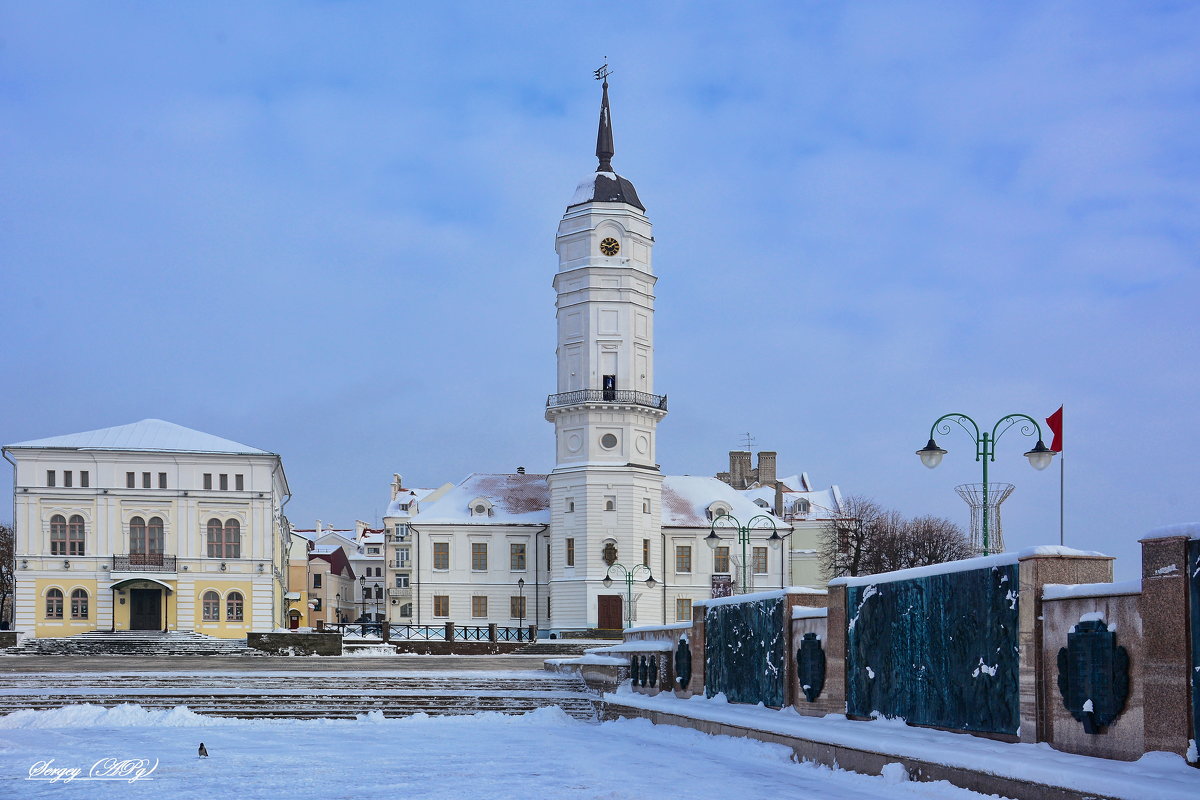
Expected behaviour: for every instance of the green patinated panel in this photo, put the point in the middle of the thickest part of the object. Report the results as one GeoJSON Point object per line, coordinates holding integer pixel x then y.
{"type": "Point", "coordinates": [1194, 603]}
{"type": "Point", "coordinates": [744, 652]}
{"type": "Point", "coordinates": [937, 650]}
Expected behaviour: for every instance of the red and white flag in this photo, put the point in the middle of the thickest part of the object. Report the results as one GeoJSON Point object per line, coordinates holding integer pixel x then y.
{"type": "Point", "coordinates": [1054, 422]}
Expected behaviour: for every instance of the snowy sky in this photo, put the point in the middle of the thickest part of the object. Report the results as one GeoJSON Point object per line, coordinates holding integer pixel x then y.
{"type": "Point", "coordinates": [326, 229]}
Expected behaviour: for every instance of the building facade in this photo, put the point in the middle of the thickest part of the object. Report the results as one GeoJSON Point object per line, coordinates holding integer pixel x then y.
{"type": "Point", "coordinates": [148, 526]}
{"type": "Point", "coordinates": [604, 539]}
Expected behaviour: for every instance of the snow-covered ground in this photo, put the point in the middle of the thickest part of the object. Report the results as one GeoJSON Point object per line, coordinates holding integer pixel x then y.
{"type": "Point", "coordinates": [545, 754]}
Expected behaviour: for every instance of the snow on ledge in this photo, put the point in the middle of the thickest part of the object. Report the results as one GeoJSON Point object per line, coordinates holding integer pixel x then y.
{"type": "Point", "coordinates": [1059, 591]}
{"type": "Point", "coordinates": [1168, 774]}
{"type": "Point", "coordinates": [966, 565]}
{"type": "Point", "coordinates": [678, 626]}
{"type": "Point", "coordinates": [1189, 529]}
{"type": "Point", "coordinates": [804, 612]}
{"type": "Point", "coordinates": [590, 659]}
{"type": "Point", "coordinates": [645, 646]}
{"type": "Point", "coordinates": [774, 594]}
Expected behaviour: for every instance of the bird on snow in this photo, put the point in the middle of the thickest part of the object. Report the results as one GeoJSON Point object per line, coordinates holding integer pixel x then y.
{"type": "Point", "coordinates": [203, 751]}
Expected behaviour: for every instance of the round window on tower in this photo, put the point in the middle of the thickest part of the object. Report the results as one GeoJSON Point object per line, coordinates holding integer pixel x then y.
{"type": "Point", "coordinates": [608, 441]}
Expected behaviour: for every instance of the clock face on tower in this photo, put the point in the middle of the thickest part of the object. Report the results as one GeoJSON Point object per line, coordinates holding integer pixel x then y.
{"type": "Point", "coordinates": [610, 247]}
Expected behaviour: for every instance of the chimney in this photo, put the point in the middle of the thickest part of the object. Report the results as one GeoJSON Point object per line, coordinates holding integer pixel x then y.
{"type": "Point", "coordinates": [778, 498]}
{"type": "Point", "coordinates": [766, 467]}
{"type": "Point", "coordinates": [739, 468]}
{"type": "Point", "coordinates": [520, 470]}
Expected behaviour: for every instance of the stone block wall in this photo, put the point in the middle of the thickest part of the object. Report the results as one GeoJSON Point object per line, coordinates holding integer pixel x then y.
{"type": "Point", "coordinates": [296, 644]}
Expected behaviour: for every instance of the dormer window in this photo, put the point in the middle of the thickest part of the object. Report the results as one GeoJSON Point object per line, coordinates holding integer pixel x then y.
{"type": "Point", "coordinates": [762, 503]}
{"type": "Point", "coordinates": [717, 509]}
{"type": "Point", "coordinates": [480, 507]}
{"type": "Point", "coordinates": [801, 506]}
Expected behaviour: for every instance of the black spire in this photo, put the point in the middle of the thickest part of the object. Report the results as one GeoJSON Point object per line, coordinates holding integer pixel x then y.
{"type": "Point", "coordinates": [604, 136]}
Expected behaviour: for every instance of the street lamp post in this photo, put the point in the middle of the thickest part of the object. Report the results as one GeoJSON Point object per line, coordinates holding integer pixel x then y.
{"type": "Point", "coordinates": [985, 448]}
{"type": "Point", "coordinates": [378, 601]}
{"type": "Point", "coordinates": [743, 534]}
{"type": "Point", "coordinates": [362, 585]}
{"type": "Point", "coordinates": [521, 603]}
{"type": "Point", "coordinates": [630, 575]}
{"type": "Point", "coordinates": [775, 540]}
{"type": "Point", "coordinates": [337, 609]}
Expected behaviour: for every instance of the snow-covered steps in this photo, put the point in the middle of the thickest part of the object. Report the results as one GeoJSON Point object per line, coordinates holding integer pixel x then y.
{"type": "Point", "coordinates": [303, 694]}
{"type": "Point", "coordinates": [134, 643]}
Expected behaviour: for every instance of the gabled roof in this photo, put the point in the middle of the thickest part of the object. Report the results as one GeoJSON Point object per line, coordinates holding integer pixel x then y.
{"type": "Point", "coordinates": [686, 498]}
{"type": "Point", "coordinates": [517, 499]}
{"type": "Point", "coordinates": [153, 435]}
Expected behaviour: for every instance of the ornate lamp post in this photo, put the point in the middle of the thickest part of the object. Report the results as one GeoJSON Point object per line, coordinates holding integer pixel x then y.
{"type": "Point", "coordinates": [521, 604]}
{"type": "Point", "coordinates": [630, 575]}
{"type": "Point", "coordinates": [378, 601]}
{"type": "Point", "coordinates": [775, 540]}
{"type": "Point", "coordinates": [985, 448]}
{"type": "Point", "coordinates": [743, 535]}
{"type": "Point", "coordinates": [362, 585]}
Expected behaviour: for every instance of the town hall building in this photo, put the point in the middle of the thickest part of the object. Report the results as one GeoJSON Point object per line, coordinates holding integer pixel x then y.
{"type": "Point", "coordinates": [604, 539]}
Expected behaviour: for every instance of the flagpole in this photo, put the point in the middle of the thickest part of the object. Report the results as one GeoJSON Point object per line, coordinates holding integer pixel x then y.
{"type": "Point", "coordinates": [1061, 474]}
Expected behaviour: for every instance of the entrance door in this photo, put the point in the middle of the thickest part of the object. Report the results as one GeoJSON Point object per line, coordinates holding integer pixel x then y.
{"type": "Point", "coordinates": [293, 620]}
{"type": "Point", "coordinates": [145, 609]}
{"type": "Point", "coordinates": [608, 612]}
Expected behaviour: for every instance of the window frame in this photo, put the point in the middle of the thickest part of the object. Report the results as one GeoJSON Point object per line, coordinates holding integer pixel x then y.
{"type": "Point", "coordinates": [79, 603]}
{"type": "Point", "coordinates": [53, 607]}
{"type": "Point", "coordinates": [764, 554]}
{"type": "Point", "coordinates": [518, 557]}
{"type": "Point", "coordinates": [721, 555]}
{"type": "Point", "coordinates": [683, 609]}
{"type": "Point", "coordinates": [58, 535]}
{"type": "Point", "coordinates": [441, 553]}
{"type": "Point", "coordinates": [516, 603]}
{"type": "Point", "coordinates": [683, 558]}
{"type": "Point", "coordinates": [442, 600]}
{"type": "Point", "coordinates": [479, 606]}
{"type": "Point", "coordinates": [210, 606]}
{"type": "Point", "coordinates": [479, 556]}
{"type": "Point", "coordinates": [570, 552]}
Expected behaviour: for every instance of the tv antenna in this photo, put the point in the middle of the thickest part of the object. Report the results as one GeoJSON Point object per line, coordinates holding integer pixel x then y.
{"type": "Point", "coordinates": [749, 441]}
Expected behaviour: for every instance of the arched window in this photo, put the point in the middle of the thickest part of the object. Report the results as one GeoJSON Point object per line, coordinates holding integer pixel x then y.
{"type": "Point", "coordinates": [233, 539]}
{"type": "Point", "coordinates": [212, 606]}
{"type": "Point", "coordinates": [58, 535]}
{"type": "Point", "coordinates": [137, 537]}
{"type": "Point", "coordinates": [79, 604]}
{"type": "Point", "coordinates": [154, 535]}
{"type": "Point", "coordinates": [75, 536]}
{"type": "Point", "coordinates": [406, 610]}
{"type": "Point", "coordinates": [215, 538]}
{"type": "Point", "coordinates": [233, 607]}
{"type": "Point", "coordinates": [54, 604]}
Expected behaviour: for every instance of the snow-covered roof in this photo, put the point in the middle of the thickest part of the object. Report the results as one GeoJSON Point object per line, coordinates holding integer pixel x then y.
{"type": "Point", "coordinates": [516, 499]}
{"type": "Point", "coordinates": [605, 187]}
{"type": "Point", "coordinates": [147, 435]}
{"type": "Point", "coordinates": [822, 503]}
{"type": "Point", "coordinates": [406, 497]}
{"type": "Point", "coordinates": [686, 498]}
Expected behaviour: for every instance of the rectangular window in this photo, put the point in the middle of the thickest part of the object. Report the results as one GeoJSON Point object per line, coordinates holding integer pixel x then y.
{"type": "Point", "coordinates": [317, 581]}
{"type": "Point", "coordinates": [479, 606]}
{"type": "Point", "coordinates": [207, 480]}
{"type": "Point", "coordinates": [84, 478]}
{"type": "Point", "coordinates": [570, 505]}
{"type": "Point", "coordinates": [67, 478]}
{"type": "Point", "coordinates": [721, 559]}
{"type": "Point", "coordinates": [646, 505]}
{"type": "Point", "coordinates": [50, 477]}
{"type": "Point", "coordinates": [224, 483]}
{"type": "Point", "coordinates": [441, 555]}
{"type": "Point", "coordinates": [130, 480]}
{"type": "Point", "coordinates": [239, 482]}
{"type": "Point", "coordinates": [441, 605]}
{"type": "Point", "coordinates": [516, 557]}
{"type": "Point", "coordinates": [162, 480]}
{"type": "Point", "coordinates": [646, 552]}
{"type": "Point", "coordinates": [402, 558]}
{"type": "Point", "coordinates": [683, 558]}
{"type": "Point", "coordinates": [145, 480]}
{"type": "Point", "coordinates": [479, 556]}
{"type": "Point", "coordinates": [683, 609]}
{"type": "Point", "coordinates": [759, 561]}
{"type": "Point", "coordinates": [516, 607]}
{"type": "Point", "coordinates": [570, 552]}
{"type": "Point", "coordinates": [402, 582]}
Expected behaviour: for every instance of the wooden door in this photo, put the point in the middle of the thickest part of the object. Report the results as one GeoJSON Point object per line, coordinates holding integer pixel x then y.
{"type": "Point", "coordinates": [145, 609]}
{"type": "Point", "coordinates": [608, 612]}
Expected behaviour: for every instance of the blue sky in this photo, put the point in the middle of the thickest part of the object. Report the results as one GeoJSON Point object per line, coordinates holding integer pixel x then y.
{"type": "Point", "coordinates": [327, 229]}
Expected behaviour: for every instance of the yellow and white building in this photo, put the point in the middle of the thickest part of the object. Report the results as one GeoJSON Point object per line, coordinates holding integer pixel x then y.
{"type": "Point", "coordinates": [148, 526]}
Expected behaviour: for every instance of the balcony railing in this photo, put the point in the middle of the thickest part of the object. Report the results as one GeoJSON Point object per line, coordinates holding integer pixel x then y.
{"type": "Point", "coordinates": [143, 562]}
{"type": "Point", "coordinates": [613, 396]}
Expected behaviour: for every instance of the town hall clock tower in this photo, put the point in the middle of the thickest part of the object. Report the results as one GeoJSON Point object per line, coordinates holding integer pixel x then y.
{"type": "Point", "coordinates": [606, 488]}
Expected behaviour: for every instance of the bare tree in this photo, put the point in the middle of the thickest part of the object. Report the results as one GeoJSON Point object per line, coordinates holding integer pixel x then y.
{"type": "Point", "coordinates": [7, 565]}
{"type": "Point", "coordinates": [868, 539]}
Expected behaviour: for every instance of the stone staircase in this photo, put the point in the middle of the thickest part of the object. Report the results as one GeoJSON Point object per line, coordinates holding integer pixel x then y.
{"type": "Point", "coordinates": [558, 648]}
{"type": "Point", "coordinates": [302, 695]}
{"type": "Point", "coordinates": [134, 643]}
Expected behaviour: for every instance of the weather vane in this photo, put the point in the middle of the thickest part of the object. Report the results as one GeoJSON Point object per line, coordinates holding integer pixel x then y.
{"type": "Point", "coordinates": [603, 73]}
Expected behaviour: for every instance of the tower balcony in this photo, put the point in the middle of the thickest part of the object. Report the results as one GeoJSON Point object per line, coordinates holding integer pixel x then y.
{"type": "Point", "coordinates": [615, 397]}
